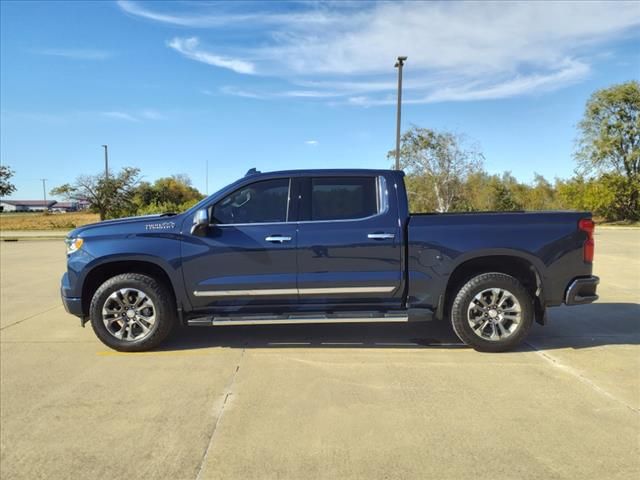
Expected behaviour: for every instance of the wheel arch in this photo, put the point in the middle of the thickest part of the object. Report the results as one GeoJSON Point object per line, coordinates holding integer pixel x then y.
{"type": "Point", "coordinates": [524, 268]}
{"type": "Point", "coordinates": [103, 271]}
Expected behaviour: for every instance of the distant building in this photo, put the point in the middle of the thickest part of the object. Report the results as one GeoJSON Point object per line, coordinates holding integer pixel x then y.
{"type": "Point", "coordinates": [83, 204]}
{"type": "Point", "coordinates": [65, 207]}
{"type": "Point", "coordinates": [26, 205]}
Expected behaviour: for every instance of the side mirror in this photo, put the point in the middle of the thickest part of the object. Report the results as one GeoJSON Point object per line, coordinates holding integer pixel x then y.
{"type": "Point", "coordinates": [200, 222]}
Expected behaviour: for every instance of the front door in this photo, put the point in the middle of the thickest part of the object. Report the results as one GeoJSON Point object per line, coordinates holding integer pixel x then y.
{"type": "Point", "coordinates": [349, 244]}
{"type": "Point", "coordinates": [248, 256]}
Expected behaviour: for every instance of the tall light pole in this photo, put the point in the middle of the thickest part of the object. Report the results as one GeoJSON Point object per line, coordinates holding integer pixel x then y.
{"type": "Point", "coordinates": [106, 161]}
{"type": "Point", "coordinates": [399, 64]}
{"type": "Point", "coordinates": [44, 192]}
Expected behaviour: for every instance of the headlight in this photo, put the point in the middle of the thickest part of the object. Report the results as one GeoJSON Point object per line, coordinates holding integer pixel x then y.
{"type": "Point", "coordinates": [73, 244]}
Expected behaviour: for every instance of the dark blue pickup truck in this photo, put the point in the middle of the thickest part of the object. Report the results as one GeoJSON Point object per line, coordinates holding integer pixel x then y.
{"type": "Point", "coordinates": [326, 246]}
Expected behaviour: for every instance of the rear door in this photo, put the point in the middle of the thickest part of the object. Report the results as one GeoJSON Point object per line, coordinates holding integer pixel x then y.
{"type": "Point", "coordinates": [248, 255]}
{"type": "Point", "coordinates": [349, 243]}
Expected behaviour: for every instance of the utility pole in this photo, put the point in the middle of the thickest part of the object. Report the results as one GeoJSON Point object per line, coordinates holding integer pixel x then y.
{"type": "Point", "coordinates": [399, 64]}
{"type": "Point", "coordinates": [44, 193]}
{"type": "Point", "coordinates": [106, 161]}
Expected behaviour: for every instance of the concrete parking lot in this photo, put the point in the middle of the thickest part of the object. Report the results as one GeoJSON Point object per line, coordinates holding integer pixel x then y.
{"type": "Point", "coordinates": [320, 402]}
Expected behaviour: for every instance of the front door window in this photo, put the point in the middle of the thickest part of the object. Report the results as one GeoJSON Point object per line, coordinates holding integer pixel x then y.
{"type": "Point", "coordinates": [260, 202]}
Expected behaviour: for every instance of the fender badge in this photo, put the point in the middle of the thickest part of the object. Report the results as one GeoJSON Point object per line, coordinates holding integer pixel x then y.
{"type": "Point", "coordinates": [160, 226]}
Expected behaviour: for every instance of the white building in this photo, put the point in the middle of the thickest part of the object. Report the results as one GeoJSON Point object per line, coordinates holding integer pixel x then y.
{"type": "Point", "coordinates": [26, 205]}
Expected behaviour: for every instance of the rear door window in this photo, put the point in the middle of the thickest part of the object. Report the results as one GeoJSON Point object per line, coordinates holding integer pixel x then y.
{"type": "Point", "coordinates": [343, 198]}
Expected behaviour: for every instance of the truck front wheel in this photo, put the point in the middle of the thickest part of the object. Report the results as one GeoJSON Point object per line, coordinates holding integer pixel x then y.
{"type": "Point", "coordinates": [492, 312]}
{"type": "Point", "coordinates": [132, 312]}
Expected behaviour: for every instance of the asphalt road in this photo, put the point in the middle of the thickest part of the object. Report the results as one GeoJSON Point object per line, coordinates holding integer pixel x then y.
{"type": "Point", "coordinates": [320, 402]}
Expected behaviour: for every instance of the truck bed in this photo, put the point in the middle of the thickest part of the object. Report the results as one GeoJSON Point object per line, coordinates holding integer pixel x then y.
{"type": "Point", "coordinates": [549, 241]}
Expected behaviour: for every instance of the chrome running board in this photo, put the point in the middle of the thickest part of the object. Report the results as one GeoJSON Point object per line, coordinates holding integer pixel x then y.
{"type": "Point", "coordinates": [218, 321]}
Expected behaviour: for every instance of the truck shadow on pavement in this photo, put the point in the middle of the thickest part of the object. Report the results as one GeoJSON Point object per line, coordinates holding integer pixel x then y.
{"type": "Point", "coordinates": [569, 327]}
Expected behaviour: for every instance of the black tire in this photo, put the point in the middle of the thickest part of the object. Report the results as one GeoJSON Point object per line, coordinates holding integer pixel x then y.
{"type": "Point", "coordinates": [464, 297]}
{"type": "Point", "coordinates": [158, 293]}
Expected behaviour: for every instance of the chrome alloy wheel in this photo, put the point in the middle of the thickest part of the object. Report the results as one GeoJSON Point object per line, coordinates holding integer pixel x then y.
{"type": "Point", "coordinates": [129, 314]}
{"type": "Point", "coordinates": [494, 314]}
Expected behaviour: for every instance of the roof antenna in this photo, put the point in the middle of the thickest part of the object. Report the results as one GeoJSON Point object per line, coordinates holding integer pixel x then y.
{"type": "Point", "coordinates": [252, 171]}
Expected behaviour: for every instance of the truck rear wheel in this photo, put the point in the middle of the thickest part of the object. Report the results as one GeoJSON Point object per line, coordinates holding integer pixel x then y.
{"type": "Point", "coordinates": [132, 312]}
{"type": "Point", "coordinates": [492, 312]}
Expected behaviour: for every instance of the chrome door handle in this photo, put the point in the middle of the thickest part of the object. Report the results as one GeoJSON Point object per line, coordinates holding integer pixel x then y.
{"type": "Point", "coordinates": [381, 236]}
{"type": "Point", "coordinates": [277, 239]}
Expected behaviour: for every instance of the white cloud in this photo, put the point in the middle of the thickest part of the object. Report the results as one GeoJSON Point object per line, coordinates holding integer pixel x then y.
{"type": "Point", "coordinates": [84, 116]}
{"type": "Point", "coordinates": [457, 50]}
{"type": "Point", "coordinates": [137, 9]}
{"type": "Point", "coordinates": [152, 115]}
{"type": "Point", "coordinates": [310, 93]}
{"type": "Point", "coordinates": [225, 14]}
{"type": "Point", "coordinates": [190, 48]}
{"type": "Point", "coordinates": [136, 116]}
{"type": "Point", "coordinates": [238, 92]}
{"type": "Point", "coordinates": [313, 143]}
{"type": "Point", "coordinates": [75, 53]}
{"type": "Point", "coordinates": [572, 72]}
{"type": "Point", "coordinates": [121, 116]}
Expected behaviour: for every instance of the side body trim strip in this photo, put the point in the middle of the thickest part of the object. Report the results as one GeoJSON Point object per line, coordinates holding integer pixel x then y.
{"type": "Point", "coordinates": [292, 291]}
{"type": "Point", "coordinates": [245, 293]}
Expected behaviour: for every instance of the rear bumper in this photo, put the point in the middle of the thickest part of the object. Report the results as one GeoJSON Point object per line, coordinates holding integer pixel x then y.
{"type": "Point", "coordinates": [582, 290]}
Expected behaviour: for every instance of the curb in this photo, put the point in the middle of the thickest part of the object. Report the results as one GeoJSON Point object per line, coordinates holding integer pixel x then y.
{"type": "Point", "coordinates": [15, 235]}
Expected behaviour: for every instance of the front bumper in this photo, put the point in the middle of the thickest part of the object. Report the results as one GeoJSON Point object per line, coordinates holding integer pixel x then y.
{"type": "Point", "coordinates": [72, 305]}
{"type": "Point", "coordinates": [582, 290]}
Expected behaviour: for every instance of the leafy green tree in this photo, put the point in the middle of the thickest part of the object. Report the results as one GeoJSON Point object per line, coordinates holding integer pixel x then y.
{"type": "Point", "coordinates": [478, 192]}
{"type": "Point", "coordinates": [609, 143]}
{"type": "Point", "coordinates": [111, 198]}
{"type": "Point", "coordinates": [174, 193]}
{"type": "Point", "coordinates": [6, 187]}
{"type": "Point", "coordinates": [154, 208]}
{"type": "Point", "coordinates": [605, 195]}
{"type": "Point", "coordinates": [511, 195]}
{"type": "Point", "coordinates": [504, 198]}
{"type": "Point", "coordinates": [541, 195]}
{"type": "Point", "coordinates": [420, 193]}
{"type": "Point", "coordinates": [441, 160]}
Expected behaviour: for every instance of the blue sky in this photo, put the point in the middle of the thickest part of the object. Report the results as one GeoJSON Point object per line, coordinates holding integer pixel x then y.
{"type": "Point", "coordinates": [169, 86]}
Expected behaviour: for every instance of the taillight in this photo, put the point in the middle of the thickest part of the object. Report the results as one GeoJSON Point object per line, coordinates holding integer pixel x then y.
{"type": "Point", "coordinates": [588, 226]}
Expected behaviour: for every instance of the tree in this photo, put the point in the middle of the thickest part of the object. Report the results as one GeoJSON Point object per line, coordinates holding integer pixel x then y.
{"type": "Point", "coordinates": [541, 195]}
{"type": "Point", "coordinates": [478, 192]}
{"type": "Point", "coordinates": [6, 187]}
{"type": "Point", "coordinates": [167, 194]}
{"type": "Point", "coordinates": [504, 199]}
{"type": "Point", "coordinates": [176, 189]}
{"type": "Point", "coordinates": [605, 196]}
{"type": "Point", "coordinates": [609, 143]}
{"type": "Point", "coordinates": [441, 161]}
{"type": "Point", "coordinates": [111, 198]}
{"type": "Point", "coordinates": [420, 194]}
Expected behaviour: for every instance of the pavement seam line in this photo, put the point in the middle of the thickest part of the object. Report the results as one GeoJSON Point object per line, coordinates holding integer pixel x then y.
{"type": "Point", "coordinates": [228, 393]}
{"type": "Point", "coordinates": [572, 371]}
{"type": "Point", "coordinates": [29, 318]}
